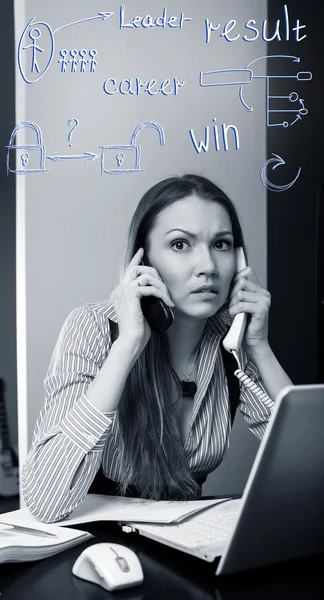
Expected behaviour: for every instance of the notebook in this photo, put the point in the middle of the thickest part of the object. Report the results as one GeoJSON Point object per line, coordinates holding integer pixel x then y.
{"type": "Point", "coordinates": [97, 507]}
{"type": "Point", "coordinates": [18, 546]}
{"type": "Point", "coordinates": [281, 513]}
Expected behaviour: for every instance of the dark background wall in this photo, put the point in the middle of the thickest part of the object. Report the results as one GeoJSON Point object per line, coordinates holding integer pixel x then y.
{"type": "Point", "coordinates": [7, 222]}
{"type": "Point", "coordinates": [295, 255]}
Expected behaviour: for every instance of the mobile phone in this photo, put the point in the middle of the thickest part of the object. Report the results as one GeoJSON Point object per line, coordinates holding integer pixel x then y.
{"type": "Point", "coordinates": [158, 315]}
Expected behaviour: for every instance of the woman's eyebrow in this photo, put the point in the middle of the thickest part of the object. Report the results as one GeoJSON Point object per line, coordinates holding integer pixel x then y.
{"type": "Point", "coordinates": [194, 235]}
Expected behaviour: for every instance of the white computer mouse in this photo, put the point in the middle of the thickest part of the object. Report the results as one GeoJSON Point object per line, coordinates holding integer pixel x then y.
{"type": "Point", "coordinates": [111, 566]}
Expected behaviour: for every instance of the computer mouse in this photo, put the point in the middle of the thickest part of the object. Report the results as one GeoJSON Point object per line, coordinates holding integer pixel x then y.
{"type": "Point", "coordinates": [112, 566]}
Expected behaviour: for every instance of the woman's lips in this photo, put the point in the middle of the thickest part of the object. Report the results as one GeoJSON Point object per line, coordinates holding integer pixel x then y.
{"type": "Point", "coordinates": [205, 293]}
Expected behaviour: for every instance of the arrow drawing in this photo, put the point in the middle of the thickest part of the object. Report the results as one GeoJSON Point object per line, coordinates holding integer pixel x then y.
{"type": "Point", "coordinates": [89, 156]}
{"type": "Point", "coordinates": [242, 77]}
{"type": "Point", "coordinates": [100, 15]}
{"type": "Point", "coordinates": [292, 97]}
{"type": "Point", "coordinates": [277, 160]}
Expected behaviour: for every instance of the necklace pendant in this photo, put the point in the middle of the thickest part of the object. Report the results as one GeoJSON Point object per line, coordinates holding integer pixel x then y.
{"type": "Point", "coordinates": [189, 388]}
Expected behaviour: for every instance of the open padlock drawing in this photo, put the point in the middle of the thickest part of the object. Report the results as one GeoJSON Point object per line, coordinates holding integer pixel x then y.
{"type": "Point", "coordinates": [27, 158]}
{"type": "Point", "coordinates": [126, 159]}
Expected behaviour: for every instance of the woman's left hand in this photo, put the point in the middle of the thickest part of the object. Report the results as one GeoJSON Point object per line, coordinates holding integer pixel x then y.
{"type": "Point", "coordinates": [248, 296]}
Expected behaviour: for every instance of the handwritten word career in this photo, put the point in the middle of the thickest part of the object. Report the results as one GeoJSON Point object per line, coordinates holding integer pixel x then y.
{"type": "Point", "coordinates": [135, 85]}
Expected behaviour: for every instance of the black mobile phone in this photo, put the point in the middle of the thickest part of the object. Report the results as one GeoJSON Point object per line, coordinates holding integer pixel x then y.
{"type": "Point", "coordinates": [158, 315]}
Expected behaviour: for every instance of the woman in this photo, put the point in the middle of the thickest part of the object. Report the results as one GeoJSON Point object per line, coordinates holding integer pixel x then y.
{"type": "Point", "coordinates": [114, 391]}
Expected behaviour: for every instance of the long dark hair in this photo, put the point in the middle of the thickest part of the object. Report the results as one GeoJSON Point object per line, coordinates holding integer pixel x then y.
{"type": "Point", "coordinates": [151, 448]}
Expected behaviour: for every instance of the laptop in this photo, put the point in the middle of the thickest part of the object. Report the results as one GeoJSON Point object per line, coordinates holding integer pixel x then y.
{"type": "Point", "coordinates": [281, 513]}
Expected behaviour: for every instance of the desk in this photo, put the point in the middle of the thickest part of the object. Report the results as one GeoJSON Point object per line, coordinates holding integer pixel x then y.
{"type": "Point", "coordinates": [168, 574]}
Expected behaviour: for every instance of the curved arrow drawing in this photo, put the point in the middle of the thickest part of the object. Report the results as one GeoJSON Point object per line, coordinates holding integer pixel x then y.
{"type": "Point", "coordinates": [293, 58]}
{"type": "Point", "coordinates": [277, 160]}
{"type": "Point", "coordinates": [100, 15]}
{"type": "Point", "coordinates": [248, 108]}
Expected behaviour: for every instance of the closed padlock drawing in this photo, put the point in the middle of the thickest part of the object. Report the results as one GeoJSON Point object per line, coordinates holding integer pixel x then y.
{"type": "Point", "coordinates": [116, 160]}
{"type": "Point", "coordinates": [27, 158]}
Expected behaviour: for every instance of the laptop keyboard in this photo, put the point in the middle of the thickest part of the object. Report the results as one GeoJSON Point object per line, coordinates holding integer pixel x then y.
{"type": "Point", "coordinates": [212, 525]}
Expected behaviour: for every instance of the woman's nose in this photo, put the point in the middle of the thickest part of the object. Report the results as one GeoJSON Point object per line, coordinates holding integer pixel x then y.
{"type": "Point", "coordinates": [205, 263]}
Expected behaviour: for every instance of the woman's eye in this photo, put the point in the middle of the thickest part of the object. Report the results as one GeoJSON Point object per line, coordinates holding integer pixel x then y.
{"type": "Point", "coordinates": [222, 244]}
{"type": "Point", "coordinates": [180, 245]}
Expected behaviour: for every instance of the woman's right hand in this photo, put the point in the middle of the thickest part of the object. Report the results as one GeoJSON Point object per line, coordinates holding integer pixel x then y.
{"type": "Point", "coordinates": [137, 281]}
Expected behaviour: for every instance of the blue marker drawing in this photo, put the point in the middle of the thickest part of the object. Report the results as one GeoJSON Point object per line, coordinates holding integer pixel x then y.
{"type": "Point", "coordinates": [100, 15]}
{"type": "Point", "coordinates": [24, 158]}
{"type": "Point", "coordinates": [63, 60]}
{"type": "Point", "coordinates": [34, 34]}
{"type": "Point", "coordinates": [200, 145]}
{"type": "Point", "coordinates": [92, 61]}
{"type": "Point", "coordinates": [73, 60]}
{"type": "Point", "coordinates": [234, 76]}
{"type": "Point", "coordinates": [88, 156]}
{"type": "Point", "coordinates": [70, 121]}
{"type": "Point", "coordinates": [37, 150]}
{"type": "Point", "coordinates": [25, 151]}
{"type": "Point", "coordinates": [45, 29]}
{"type": "Point", "coordinates": [277, 161]}
{"type": "Point", "coordinates": [129, 153]}
{"type": "Point", "coordinates": [120, 158]}
{"type": "Point", "coordinates": [241, 77]}
{"type": "Point", "coordinates": [83, 62]}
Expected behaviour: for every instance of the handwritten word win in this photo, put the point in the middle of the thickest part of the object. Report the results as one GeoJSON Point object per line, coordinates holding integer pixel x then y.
{"type": "Point", "coordinates": [250, 25]}
{"type": "Point", "coordinates": [133, 87]}
{"type": "Point", "coordinates": [148, 21]}
{"type": "Point", "coordinates": [204, 144]}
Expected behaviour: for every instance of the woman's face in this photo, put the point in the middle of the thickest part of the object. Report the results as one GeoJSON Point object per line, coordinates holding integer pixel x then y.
{"type": "Point", "coordinates": [191, 247]}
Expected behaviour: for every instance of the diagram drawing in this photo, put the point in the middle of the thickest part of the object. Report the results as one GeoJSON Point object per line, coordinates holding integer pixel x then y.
{"type": "Point", "coordinates": [126, 158]}
{"type": "Point", "coordinates": [36, 36]}
{"type": "Point", "coordinates": [25, 154]}
{"type": "Point", "coordinates": [294, 108]}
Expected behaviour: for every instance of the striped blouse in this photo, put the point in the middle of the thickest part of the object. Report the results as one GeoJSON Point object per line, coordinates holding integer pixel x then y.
{"type": "Point", "coordinates": [72, 438]}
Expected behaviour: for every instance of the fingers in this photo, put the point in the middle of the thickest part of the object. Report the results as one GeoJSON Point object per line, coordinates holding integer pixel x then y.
{"type": "Point", "coordinates": [152, 290]}
{"type": "Point", "coordinates": [136, 271]}
{"type": "Point", "coordinates": [246, 284]}
{"type": "Point", "coordinates": [136, 268]}
{"type": "Point", "coordinates": [244, 296]}
{"type": "Point", "coordinates": [248, 296]}
{"type": "Point", "coordinates": [149, 278]}
{"type": "Point", "coordinates": [145, 280]}
{"type": "Point", "coordinates": [138, 256]}
{"type": "Point", "coordinates": [149, 281]}
{"type": "Point", "coordinates": [246, 273]}
{"type": "Point", "coordinates": [141, 275]}
{"type": "Point", "coordinates": [258, 308]}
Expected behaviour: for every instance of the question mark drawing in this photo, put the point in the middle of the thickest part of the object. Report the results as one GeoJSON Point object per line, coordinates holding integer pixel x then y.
{"type": "Point", "coordinates": [70, 121]}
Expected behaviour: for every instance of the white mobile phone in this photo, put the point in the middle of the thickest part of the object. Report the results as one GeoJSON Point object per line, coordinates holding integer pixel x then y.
{"type": "Point", "coordinates": [233, 339]}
